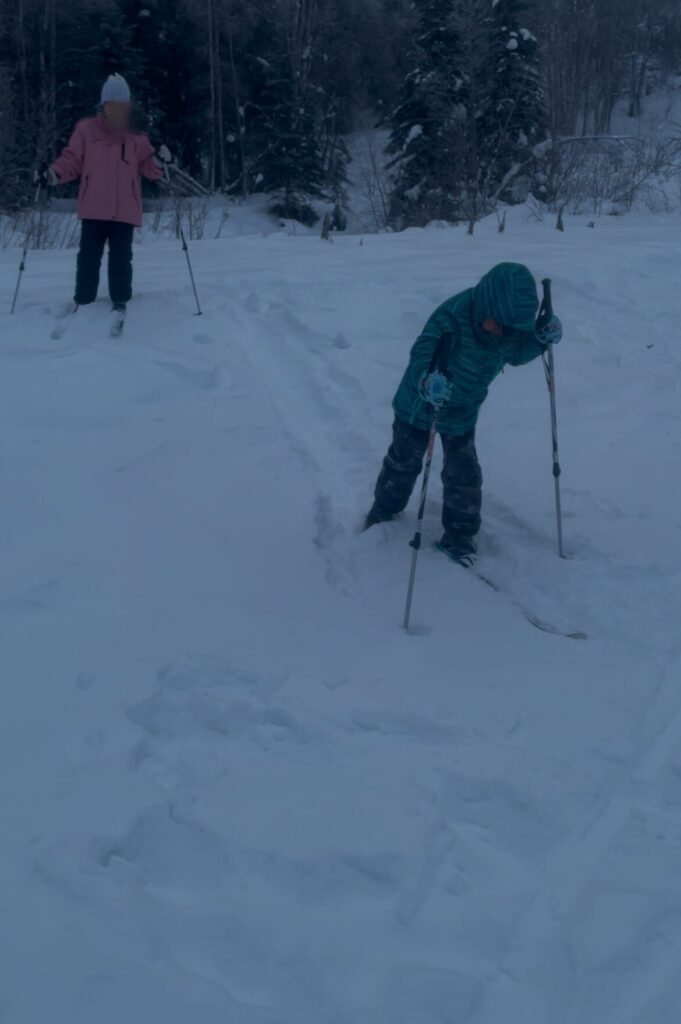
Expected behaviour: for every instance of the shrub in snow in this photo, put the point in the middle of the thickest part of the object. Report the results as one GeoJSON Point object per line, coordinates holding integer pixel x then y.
{"type": "Point", "coordinates": [294, 208]}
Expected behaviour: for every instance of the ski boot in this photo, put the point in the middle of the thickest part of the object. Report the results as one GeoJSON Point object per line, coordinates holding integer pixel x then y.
{"type": "Point", "coordinates": [377, 515]}
{"type": "Point", "coordinates": [118, 311]}
{"type": "Point", "coordinates": [462, 550]}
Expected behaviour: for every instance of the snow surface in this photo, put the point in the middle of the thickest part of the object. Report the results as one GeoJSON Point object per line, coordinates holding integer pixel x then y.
{"type": "Point", "coordinates": [231, 788]}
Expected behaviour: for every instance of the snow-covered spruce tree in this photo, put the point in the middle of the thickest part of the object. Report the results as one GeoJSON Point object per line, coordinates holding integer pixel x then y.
{"type": "Point", "coordinates": [427, 128]}
{"type": "Point", "coordinates": [470, 18]}
{"type": "Point", "coordinates": [513, 117]}
{"type": "Point", "coordinates": [290, 166]}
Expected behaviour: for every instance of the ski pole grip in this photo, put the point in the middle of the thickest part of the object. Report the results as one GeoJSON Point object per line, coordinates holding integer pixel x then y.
{"type": "Point", "coordinates": [547, 303]}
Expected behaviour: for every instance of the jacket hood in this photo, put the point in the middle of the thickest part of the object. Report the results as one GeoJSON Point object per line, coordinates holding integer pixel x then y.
{"type": "Point", "coordinates": [507, 294]}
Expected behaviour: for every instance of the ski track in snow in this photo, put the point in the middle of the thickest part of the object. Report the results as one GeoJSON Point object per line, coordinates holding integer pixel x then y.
{"type": "Point", "coordinates": [232, 788]}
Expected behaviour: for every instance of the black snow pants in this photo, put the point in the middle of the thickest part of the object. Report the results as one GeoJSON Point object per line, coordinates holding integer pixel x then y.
{"type": "Point", "coordinates": [93, 237]}
{"type": "Point", "coordinates": [461, 477]}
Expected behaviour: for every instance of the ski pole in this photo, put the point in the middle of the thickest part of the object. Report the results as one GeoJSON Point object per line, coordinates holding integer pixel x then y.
{"type": "Point", "coordinates": [185, 247]}
{"type": "Point", "coordinates": [545, 314]}
{"type": "Point", "coordinates": [440, 360]}
{"type": "Point", "coordinates": [416, 542]}
{"type": "Point", "coordinates": [29, 232]}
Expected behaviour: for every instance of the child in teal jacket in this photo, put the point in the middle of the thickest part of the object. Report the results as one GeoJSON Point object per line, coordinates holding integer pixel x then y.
{"type": "Point", "coordinates": [485, 328]}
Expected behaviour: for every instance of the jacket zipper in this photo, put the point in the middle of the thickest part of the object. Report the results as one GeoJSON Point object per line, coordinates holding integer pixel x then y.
{"type": "Point", "coordinates": [118, 183]}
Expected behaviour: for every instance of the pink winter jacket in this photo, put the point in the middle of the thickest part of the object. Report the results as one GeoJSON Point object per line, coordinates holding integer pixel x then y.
{"type": "Point", "coordinates": [110, 165]}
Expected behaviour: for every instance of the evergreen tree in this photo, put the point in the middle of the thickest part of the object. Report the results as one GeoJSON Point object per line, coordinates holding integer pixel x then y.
{"type": "Point", "coordinates": [291, 165]}
{"type": "Point", "coordinates": [428, 126]}
{"type": "Point", "coordinates": [289, 121]}
{"type": "Point", "coordinates": [514, 115]}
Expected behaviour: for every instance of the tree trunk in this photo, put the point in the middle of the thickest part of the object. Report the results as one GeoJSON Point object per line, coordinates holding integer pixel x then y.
{"type": "Point", "coordinates": [211, 72]}
{"type": "Point", "coordinates": [219, 106]}
{"type": "Point", "coordinates": [52, 88]}
{"type": "Point", "coordinates": [24, 102]}
{"type": "Point", "coordinates": [241, 129]}
{"type": "Point", "coordinates": [46, 135]}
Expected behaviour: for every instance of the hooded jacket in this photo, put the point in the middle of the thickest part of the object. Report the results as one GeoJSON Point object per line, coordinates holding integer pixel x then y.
{"type": "Point", "coordinates": [507, 294]}
{"type": "Point", "coordinates": [110, 165]}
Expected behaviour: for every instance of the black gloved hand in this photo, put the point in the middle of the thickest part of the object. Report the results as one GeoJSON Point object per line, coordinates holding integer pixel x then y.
{"type": "Point", "coordinates": [46, 176]}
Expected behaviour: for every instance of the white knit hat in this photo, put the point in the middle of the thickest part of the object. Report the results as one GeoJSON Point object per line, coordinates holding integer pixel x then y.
{"type": "Point", "coordinates": [115, 90]}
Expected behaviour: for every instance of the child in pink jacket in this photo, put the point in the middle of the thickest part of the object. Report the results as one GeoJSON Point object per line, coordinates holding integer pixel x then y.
{"type": "Point", "coordinates": [110, 160]}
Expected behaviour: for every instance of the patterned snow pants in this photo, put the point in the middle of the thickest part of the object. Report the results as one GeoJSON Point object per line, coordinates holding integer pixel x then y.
{"type": "Point", "coordinates": [461, 478]}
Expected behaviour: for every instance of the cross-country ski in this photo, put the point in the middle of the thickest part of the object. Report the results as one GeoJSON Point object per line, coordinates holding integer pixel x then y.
{"type": "Point", "coordinates": [63, 321]}
{"type": "Point", "coordinates": [118, 321]}
{"type": "Point", "coordinates": [534, 619]}
{"type": "Point", "coordinates": [340, 433]}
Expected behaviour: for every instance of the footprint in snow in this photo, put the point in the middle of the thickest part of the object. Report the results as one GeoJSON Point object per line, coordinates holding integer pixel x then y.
{"type": "Point", "coordinates": [196, 707]}
{"type": "Point", "coordinates": [407, 726]}
{"type": "Point", "coordinates": [167, 853]}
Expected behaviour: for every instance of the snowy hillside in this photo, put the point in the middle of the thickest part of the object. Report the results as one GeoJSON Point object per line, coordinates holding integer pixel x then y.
{"type": "Point", "coordinates": [231, 788]}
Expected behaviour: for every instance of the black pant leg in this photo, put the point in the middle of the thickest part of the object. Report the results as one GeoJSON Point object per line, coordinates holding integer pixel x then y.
{"type": "Point", "coordinates": [120, 262]}
{"type": "Point", "coordinates": [401, 467]}
{"type": "Point", "coordinates": [462, 480]}
{"type": "Point", "coordinates": [93, 235]}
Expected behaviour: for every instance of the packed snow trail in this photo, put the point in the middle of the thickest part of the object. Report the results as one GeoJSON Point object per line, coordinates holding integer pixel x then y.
{"type": "Point", "coordinates": [231, 787]}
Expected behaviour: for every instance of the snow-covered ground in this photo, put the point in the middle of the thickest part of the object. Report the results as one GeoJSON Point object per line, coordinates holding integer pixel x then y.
{"type": "Point", "coordinates": [231, 788]}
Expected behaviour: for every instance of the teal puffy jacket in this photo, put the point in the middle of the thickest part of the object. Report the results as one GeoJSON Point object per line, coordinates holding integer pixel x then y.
{"type": "Point", "coordinates": [507, 294]}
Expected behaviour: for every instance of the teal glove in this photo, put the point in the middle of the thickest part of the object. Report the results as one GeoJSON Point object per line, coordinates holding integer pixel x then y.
{"type": "Point", "coordinates": [436, 389]}
{"type": "Point", "coordinates": [551, 333]}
